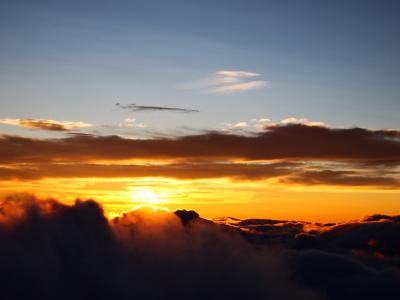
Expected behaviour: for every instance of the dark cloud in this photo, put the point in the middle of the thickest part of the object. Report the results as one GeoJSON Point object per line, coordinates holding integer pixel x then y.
{"type": "Point", "coordinates": [294, 141]}
{"type": "Point", "coordinates": [54, 251]}
{"type": "Point", "coordinates": [178, 171]}
{"type": "Point", "coordinates": [144, 108]}
{"type": "Point", "coordinates": [342, 178]}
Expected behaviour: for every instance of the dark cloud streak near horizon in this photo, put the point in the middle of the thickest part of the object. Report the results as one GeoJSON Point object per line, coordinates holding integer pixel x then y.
{"type": "Point", "coordinates": [307, 155]}
{"type": "Point", "coordinates": [294, 141]}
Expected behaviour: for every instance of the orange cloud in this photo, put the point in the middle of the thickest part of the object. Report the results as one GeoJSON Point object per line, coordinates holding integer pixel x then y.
{"type": "Point", "coordinates": [45, 124]}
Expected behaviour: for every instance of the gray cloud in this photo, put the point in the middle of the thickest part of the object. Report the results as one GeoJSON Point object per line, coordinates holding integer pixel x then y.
{"type": "Point", "coordinates": [146, 108]}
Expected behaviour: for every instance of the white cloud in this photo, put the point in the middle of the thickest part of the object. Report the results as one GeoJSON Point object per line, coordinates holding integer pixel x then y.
{"type": "Point", "coordinates": [238, 87]}
{"type": "Point", "coordinates": [302, 121]}
{"type": "Point", "coordinates": [259, 125]}
{"type": "Point", "coordinates": [131, 123]}
{"type": "Point", "coordinates": [227, 82]}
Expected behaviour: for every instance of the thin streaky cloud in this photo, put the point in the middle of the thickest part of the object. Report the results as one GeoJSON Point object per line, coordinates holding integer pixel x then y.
{"type": "Point", "coordinates": [46, 124]}
{"type": "Point", "coordinates": [238, 87]}
{"type": "Point", "coordinates": [226, 82]}
{"type": "Point", "coordinates": [145, 108]}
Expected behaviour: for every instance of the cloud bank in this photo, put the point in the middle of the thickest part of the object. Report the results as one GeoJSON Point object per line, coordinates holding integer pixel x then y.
{"type": "Point", "coordinates": [288, 153]}
{"type": "Point", "coordinates": [292, 141]}
{"type": "Point", "coordinates": [54, 251]}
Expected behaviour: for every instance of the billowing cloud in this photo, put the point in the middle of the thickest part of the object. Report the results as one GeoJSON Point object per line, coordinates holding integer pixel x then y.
{"type": "Point", "coordinates": [46, 124]}
{"type": "Point", "coordinates": [55, 251]}
{"type": "Point", "coordinates": [77, 252]}
{"type": "Point", "coordinates": [146, 108]}
{"type": "Point", "coordinates": [227, 82]}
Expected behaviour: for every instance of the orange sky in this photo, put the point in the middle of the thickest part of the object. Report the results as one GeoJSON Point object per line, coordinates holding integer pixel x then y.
{"type": "Point", "coordinates": [288, 171]}
{"type": "Point", "coordinates": [219, 197]}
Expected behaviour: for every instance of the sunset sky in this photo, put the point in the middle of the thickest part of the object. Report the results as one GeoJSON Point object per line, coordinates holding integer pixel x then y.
{"type": "Point", "coordinates": [249, 109]}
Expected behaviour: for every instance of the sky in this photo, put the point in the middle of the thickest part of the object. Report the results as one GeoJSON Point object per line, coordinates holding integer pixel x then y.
{"type": "Point", "coordinates": [241, 108]}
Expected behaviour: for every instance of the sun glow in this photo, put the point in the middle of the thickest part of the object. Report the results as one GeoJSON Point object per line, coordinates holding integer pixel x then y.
{"type": "Point", "coordinates": [148, 196]}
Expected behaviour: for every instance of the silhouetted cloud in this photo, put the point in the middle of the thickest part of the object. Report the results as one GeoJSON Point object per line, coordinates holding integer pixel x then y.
{"type": "Point", "coordinates": [44, 124]}
{"type": "Point", "coordinates": [291, 153]}
{"type": "Point", "coordinates": [343, 178]}
{"type": "Point", "coordinates": [293, 141]}
{"type": "Point", "coordinates": [144, 108]}
{"type": "Point", "coordinates": [54, 251]}
{"type": "Point", "coordinates": [178, 171]}
{"type": "Point", "coordinates": [50, 250]}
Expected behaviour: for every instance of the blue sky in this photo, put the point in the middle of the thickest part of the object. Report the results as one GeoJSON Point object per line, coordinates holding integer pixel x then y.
{"type": "Point", "coordinates": [330, 61]}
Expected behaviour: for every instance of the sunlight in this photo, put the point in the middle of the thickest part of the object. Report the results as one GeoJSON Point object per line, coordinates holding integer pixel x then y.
{"type": "Point", "coordinates": [148, 196]}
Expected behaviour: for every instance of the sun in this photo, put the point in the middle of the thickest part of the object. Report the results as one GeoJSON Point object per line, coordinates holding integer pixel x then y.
{"type": "Point", "coordinates": [148, 196]}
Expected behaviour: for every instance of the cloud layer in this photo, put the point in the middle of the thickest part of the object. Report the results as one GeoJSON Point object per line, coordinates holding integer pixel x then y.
{"type": "Point", "coordinates": [54, 251]}
{"type": "Point", "coordinates": [293, 141]}
{"type": "Point", "coordinates": [289, 153]}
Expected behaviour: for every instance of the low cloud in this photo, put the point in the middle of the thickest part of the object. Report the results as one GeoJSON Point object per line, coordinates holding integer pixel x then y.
{"type": "Point", "coordinates": [145, 108]}
{"type": "Point", "coordinates": [227, 82]}
{"type": "Point", "coordinates": [57, 251]}
{"type": "Point", "coordinates": [46, 124]}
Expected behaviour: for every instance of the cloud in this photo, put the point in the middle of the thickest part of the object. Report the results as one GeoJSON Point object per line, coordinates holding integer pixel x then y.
{"type": "Point", "coordinates": [287, 172]}
{"type": "Point", "coordinates": [292, 141]}
{"type": "Point", "coordinates": [292, 154]}
{"type": "Point", "coordinates": [227, 82]}
{"type": "Point", "coordinates": [303, 121]}
{"type": "Point", "coordinates": [144, 108]}
{"type": "Point", "coordinates": [176, 171]}
{"type": "Point", "coordinates": [58, 251]}
{"type": "Point", "coordinates": [261, 124]}
{"type": "Point", "coordinates": [342, 178]}
{"type": "Point", "coordinates": [45, 124]}
{"type": "Point", "coordinates": [238, 87]}
{"type": "Point", "coordinates": [55, 251]}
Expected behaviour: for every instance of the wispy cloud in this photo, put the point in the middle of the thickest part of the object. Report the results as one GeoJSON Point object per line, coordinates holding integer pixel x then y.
{"type": "Point", "coordinates": [46, 124]}
{"type": "Point", "coordinates": [227, 82]}
{"type": "Point", "coordinates": [238, 87]}
{"type": "Point", "coordinates": [145, 108]}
